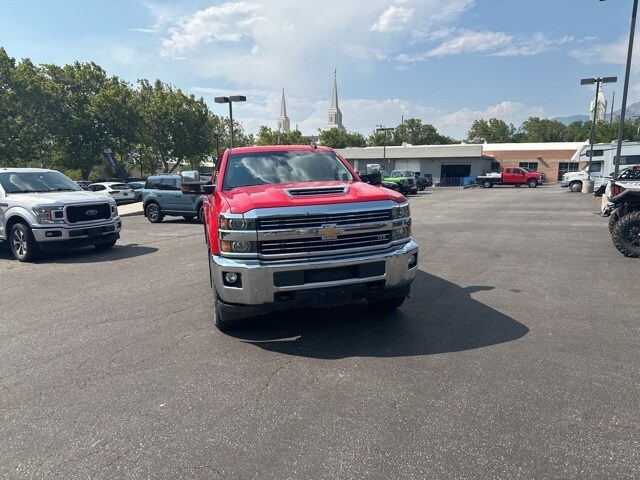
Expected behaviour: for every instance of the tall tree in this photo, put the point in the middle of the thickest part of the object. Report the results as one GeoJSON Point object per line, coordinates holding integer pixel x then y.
{"type": "Point", "coordinates": [492, 131]}
{"type": "Point", "coordinates": [414, 132]}
{"type": "Point", "coordinates": [543, 130]}
{"type": "Point", "coordinates": [81, 138]}
{"type": "Point", "coordinates": [267, 136]}
{"type": "Point", "coordinates": [116, 113]}
{"type": "Point", "coordinates": [336, 138]}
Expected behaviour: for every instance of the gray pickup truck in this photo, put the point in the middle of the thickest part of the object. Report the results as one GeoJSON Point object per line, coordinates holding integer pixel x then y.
{"type": "Point", "coordinates": [43, 209]}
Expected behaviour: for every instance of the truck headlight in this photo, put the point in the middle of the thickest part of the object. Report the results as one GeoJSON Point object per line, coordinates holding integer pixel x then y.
{"type": "Point", "coordinates": [235, 223]}
{"type": "Point", "coordinates": [49, 214]}
{"type": "Point", "coordinates": [400, 212]}
{"type": "Point", "coordinates": [237, 246]}
{"type": "Point", "coordinates": [400, 233]}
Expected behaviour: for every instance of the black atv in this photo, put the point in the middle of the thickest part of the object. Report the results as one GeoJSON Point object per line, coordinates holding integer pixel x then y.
{"type": "Point", "coordinates": [623, 210]}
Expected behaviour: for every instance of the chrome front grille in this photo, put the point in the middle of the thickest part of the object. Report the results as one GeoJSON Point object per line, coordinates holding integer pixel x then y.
{"type": "Point", "coordinates": [314, 234]}
{"type": "Point", "coordinates": [318, 245]}
{"type": "Point", "coordinates": [315, 220]}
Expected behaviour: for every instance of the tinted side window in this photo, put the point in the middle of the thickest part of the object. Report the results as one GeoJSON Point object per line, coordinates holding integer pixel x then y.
{"type": "Point", "coordinates": [152, 182]}
{"type": "Point", "coordinates": [168, 183]}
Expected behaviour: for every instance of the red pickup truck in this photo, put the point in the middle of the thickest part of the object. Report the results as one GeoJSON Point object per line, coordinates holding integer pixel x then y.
{"type": "Point", "coordinates": [516, 176]}
{"type": "Point", "coordinates": [294, 226]}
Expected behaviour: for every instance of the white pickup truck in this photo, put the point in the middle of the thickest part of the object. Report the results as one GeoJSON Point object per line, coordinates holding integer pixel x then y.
{"type": "Point", "coordinates": [43, 209]}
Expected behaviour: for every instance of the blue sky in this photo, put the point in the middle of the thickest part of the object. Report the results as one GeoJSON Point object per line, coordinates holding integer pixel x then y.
{"type": "Point", "coordinates": [446, 62]}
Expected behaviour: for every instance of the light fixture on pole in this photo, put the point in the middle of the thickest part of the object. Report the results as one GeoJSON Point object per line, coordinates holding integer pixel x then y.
{"type": "Point", "coordinates": [230, 100]}
{"type": "Point", "coordinates": [597, 81]}
{"type": "Point", "coordinates": [384, 145]}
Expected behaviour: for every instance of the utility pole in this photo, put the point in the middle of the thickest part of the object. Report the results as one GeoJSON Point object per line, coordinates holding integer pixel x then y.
{"type": "Point", "coordinates": [613, 99]}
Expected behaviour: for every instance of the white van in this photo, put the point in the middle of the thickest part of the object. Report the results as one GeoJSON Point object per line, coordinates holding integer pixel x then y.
{"type": "Point", "coordinates": [602, 163]}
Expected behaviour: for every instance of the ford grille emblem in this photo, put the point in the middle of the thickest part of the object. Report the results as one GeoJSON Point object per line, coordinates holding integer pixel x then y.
{"type": "Point", "coordinates": [91, 213]}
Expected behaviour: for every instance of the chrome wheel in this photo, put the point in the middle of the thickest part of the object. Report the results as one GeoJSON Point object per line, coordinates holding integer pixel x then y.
{"type": "Point", "coordinates": [23, 246]}
{"type": "Point", "coordinates": [19, 243]}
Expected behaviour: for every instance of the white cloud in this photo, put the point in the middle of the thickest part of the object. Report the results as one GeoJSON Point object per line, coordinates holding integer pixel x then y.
{"type": "Point", "coordinates": [228, 22]}
{"type": "Point", "coordinates": [472, 42]}
{"type": "Point", "coordinates": [393, 20]}
{"type": "Point", "coordinates": [612, 53]}
{"type": "Point", "coordinates": [457, 124]}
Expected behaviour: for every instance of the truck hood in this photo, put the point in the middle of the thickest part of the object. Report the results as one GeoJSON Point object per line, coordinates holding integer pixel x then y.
{"type": "Point", "coordinates": [55, 198]}
{"type": "Point", "coordinates": [244, 199]}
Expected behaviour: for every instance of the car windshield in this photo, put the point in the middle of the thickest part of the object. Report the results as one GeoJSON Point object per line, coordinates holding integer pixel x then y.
{"type": "Point", "coordinates": [120, 186]}
{"type": "Point", "coordinates": [37, 182]}
{"type": "Point", "coordinates": [283, 167]}
{"type": "Point", "coordinates": [401, 173]}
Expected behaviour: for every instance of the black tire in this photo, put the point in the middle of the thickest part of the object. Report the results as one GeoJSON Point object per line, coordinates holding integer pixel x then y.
{"type": "Point", "coordinates": [385, 303]}
{"type": "Point", "coordinates": [222, 323]}
{"type": "Point", "coordinates": [613, 219]}
{"type": "Point", "coordinates": [626, 235]}
{"type": "Point", "coordinates": [105, 246]}
{"type": "Point", "coordinates": [188, 217]}
{"type": "Point", "coordinates": [22, 243]}
{"type": "Point", "coordinates": [487, 184]}
{"type": "Point", "coordinates": [575, 186]}
{"type": "Point", "coordinates": [532, 183]}
{"type": "Point", "coordinates": [153, 213]}
{"type": "Point", "coordinates": [201, 214]}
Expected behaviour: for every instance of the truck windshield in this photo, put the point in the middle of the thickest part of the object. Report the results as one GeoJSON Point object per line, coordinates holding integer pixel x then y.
{"type": "Point", "coordinates": [37, 182]}
{"type": "Point", "coordinates": [283, 167]}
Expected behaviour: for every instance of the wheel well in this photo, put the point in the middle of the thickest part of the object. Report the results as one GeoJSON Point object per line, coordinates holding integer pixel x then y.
{"type": "Point", "coordinates": [12, 221]}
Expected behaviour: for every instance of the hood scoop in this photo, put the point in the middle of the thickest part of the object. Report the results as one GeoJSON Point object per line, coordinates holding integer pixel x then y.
{"type": "Point", "coordinates": [313, 191]}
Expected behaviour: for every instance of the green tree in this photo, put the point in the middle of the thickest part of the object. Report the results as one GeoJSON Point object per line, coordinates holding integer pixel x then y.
{"type": "Point", "coordinates": [267, 136]}
{"type": "Point", "coordinates": [492, 131]}
{"type": "Point", "coordinates": [414, 132]}
{"type": "Point", "coordinates": [542, 130]}
{"type": "Point", "coordinates": [336, 138]}
{"type": "Point", "coordinates": [115, 110]}
{"type": "Point", "coordinates": [81, 138]}
{"type": "Point", "coordinates": [176, 128]}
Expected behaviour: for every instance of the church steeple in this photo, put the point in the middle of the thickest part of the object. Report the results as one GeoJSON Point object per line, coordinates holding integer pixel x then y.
{"type": "Point", "coordinates": [283, 121]}
{"type": "Point", "coordinates": [334, 116]}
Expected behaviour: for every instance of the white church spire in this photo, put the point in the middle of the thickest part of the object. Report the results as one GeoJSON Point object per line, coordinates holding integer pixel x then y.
{"type": "Point", "coordinates": [283, 121]}
{"type": "Point", "coordinates": [334, 116]}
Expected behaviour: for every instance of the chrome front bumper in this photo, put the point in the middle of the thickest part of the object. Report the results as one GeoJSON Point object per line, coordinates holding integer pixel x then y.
{"type": "Point", "coordinates": [64, 232]}
{"type": "Point", "coordinates": [258, 286]}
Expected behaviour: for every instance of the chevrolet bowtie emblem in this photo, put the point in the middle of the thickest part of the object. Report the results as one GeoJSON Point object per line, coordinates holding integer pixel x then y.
{"type": "Point", "coordinates": [330, 232]}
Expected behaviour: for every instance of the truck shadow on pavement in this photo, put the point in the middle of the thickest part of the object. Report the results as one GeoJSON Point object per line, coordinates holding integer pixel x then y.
{"type": "Point", "coordinates": [85, 254]}
{"type": "Point", "coordinates": [439, 317]}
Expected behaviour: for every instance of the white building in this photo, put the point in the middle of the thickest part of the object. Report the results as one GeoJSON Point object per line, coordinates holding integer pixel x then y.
{"type": "Point", "coordinates": [334, 116]}
{"type": "Point", "coordinates": [600, 110]}
{"type": "Point", "coordinates": [283, 121]}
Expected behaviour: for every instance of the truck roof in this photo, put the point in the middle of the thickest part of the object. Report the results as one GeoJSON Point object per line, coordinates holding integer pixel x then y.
{"type": "Point", "coordinates": [279, 148]}
{"type": "Point", "coordinates": [21, 169]}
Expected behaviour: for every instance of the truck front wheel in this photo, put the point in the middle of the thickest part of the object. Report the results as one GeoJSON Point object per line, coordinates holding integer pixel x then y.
{"type": "Point", "coordinates": [23, 246]}
{"type": "Point", "coordinates": [487, 184]}
{"type": "Point", "coordinates": [532, 183]}
{"type": "Point", "coordinates": [626, 235]}
{"type": "Point", "coordinates": [575, 186]}
{"type": "Point", "coordinates": [222, 323]}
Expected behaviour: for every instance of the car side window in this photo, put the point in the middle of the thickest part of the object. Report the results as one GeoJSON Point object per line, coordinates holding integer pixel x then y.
{"type": "Point", "coordinates": [168, 183]}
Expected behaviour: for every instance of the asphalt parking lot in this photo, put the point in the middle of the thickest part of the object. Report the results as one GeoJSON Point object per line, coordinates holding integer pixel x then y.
{"type": "Point", "coordinates": [515, 357]}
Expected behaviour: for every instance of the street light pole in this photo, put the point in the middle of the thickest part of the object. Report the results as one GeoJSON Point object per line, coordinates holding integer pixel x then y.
{"type": "Point", "coordinates": [384, 144]}
{"type": "Point", "coordinates": [230, 100]}
{"type": "Point", "coordinates": [616, 162]}
{"type": "Point", "coordinates": [591, 81]}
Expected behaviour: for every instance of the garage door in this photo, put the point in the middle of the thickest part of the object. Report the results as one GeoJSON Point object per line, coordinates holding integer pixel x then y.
{"type": "Point", "coordinates": [413, 165]}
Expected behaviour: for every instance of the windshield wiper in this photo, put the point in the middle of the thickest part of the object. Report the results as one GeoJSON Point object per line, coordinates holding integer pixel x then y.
{"type": "Point", "coordinates": [64, 190]}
